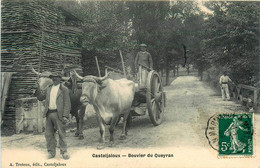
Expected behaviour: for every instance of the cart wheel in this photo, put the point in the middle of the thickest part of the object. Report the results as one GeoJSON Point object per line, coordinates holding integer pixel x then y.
{"type": "Point", "coordinates": [155, 98]}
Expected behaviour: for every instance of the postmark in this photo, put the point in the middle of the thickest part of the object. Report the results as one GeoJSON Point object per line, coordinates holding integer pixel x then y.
{"type": "Point", "coordinates": [231, 134]}
{"type": "Point", "coordinates": [211, 131]}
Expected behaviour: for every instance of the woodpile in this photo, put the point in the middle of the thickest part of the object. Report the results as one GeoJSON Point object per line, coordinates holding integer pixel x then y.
{"type": "Point", "coordinates": [38, 33]}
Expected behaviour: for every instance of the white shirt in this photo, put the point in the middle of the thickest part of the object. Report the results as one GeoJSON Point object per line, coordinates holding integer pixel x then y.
{"type": "Point", "coordinates": [53, 97]}
{"type": "Point", "coordinates": [225, 79]}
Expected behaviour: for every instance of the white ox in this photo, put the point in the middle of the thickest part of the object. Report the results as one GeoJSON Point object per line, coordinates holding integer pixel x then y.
{"type": "Point", "coordinates": [110, 99]}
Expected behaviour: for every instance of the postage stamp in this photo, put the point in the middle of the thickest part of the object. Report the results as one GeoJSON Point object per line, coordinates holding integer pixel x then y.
{"type": "Point", "coordinates": [235, 134]}
{"type": "Point", "coordinates": [231, 134]}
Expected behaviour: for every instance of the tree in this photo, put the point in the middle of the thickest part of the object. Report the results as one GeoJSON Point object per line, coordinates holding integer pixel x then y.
{"type": "Point", "coordinates": [148, 20]}
{"type": "Point", "coordinates": [233, 38]}
{"type": "Point", "coordinates": [105, 30]}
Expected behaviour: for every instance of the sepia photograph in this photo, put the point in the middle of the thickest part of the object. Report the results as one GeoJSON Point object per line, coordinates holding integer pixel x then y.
{"type": "Point", "coordinates": [130, 83]}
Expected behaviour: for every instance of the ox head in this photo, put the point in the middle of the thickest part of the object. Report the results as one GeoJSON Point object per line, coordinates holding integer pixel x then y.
{"type": "Point", "coordinates": [44, 81]}
{"type": "Point", "coordinates": [90, 87]}
{"type": "Point", "coordinates": [42, 84]}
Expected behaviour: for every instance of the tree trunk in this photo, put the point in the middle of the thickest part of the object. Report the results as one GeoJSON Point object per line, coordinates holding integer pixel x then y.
{"type": "Point", "coordinates": [200, 73]}
{"type": "Point", "coordinates": [174, 70]}
{"type": "Point", "coordinates": [188, 69]}
{"type": "Point", "coordinates": [167, 69]}
{"type": "Point", "coordinates": [161, 74]}
{"type": "Point", "coordinates": [177, 69]}
{"type": "Point", "coordinates": [167, 75]}
{"type": "Point", "coordinates": [208, 77]}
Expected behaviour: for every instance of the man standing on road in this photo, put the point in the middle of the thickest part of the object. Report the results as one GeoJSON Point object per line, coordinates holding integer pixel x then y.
{"type": "Point", "coordinates": [144, 63]}
{"type": "Point", "coordinates": [57, 110]}
{"type": "Point", "coordinates": [223, 81]}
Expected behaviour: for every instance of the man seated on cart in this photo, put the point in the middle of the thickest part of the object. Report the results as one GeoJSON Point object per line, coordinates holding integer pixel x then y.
{"type": "Point", "coordinates": [144, 64]}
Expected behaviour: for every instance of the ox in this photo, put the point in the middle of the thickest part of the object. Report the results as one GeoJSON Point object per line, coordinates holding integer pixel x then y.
{"type": "Point", "coordinates": [77, 108]}
{"type": "Point", "coordinates": [110, 99]}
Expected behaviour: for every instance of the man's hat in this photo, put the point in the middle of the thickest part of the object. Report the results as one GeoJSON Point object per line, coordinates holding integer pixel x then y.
{"type": "Point", "coordinates": [143, 45]}
{"type": "Point", "coordinates": [55, 74]}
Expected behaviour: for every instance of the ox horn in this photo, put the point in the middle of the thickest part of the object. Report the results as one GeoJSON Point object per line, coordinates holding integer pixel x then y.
{"type": "Point", "coordinates": [34, 71]}
{"type": "Point", "coordinates": [101, 78]}
{"type": "Point", "coordinates": [78, 76]}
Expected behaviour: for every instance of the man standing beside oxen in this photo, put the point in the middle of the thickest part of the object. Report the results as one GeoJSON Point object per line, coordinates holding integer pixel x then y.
{"type": "Point", "coordinates": [57, 110]}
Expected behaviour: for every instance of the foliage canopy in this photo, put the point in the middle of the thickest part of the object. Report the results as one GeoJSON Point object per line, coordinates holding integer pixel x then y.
{"type": "Point", "coordinates": [227, 38]}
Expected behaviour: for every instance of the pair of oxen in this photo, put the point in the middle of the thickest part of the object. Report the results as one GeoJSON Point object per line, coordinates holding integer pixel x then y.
{"type": "Point", "coordinates": [111, 100]}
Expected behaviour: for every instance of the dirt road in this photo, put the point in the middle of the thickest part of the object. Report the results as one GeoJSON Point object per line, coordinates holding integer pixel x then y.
{"type": "Point", "coordinates": [190, 103]}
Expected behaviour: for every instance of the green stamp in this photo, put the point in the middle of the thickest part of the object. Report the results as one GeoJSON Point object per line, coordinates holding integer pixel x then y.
{"type": "Point", "coordinates": [235, 134]}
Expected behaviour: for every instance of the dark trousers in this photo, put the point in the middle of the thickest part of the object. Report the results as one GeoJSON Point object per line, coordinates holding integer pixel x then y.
{"type": "Point", "coordinates": [53, 124]}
